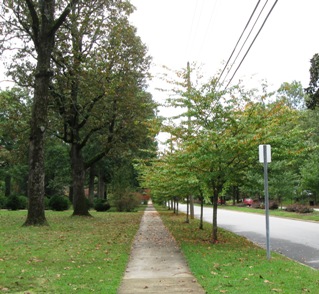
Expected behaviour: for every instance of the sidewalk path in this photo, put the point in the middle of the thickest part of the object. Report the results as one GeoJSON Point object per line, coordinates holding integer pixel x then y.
{"type": "Point", "coordinates": [157, 264]}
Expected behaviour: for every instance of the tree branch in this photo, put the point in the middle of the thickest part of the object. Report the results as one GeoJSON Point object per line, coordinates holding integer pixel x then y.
{"type": "Point", "coordinates": [35, 21]}
{"type": "Point", "coordinates": [62, 17]}
{"type": "Point", "coordinates": [90, 107]}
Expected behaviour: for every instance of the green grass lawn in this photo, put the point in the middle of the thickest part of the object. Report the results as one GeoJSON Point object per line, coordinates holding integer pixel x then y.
{"type": "Point", "coordinates": [73, 254]}
{"type": "Point", "coordinates": [236, 265]}
{"type": "Point", "coordinates": [314, 216]}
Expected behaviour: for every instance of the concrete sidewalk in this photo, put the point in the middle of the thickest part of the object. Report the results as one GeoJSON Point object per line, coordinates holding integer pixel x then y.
{"type": "Point", "coordinates": [157, 264]}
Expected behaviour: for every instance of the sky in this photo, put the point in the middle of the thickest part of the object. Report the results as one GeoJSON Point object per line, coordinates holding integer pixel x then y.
{"type": "Point", "coordinates": [206, 32]}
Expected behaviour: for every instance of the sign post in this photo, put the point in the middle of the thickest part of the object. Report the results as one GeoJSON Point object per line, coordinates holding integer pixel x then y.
{"type": "Point", "coordinates": [265, 158]}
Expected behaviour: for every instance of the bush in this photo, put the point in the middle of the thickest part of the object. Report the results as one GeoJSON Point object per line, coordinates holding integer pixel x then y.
{"type": "Point", "coordinates": [17, 202]}
{"type": "Point", "coordinates": [258, 205]}
{"type": "Point", "coordinates": [59, 203]}
{"type": "Point", "coordinates": [299, 208]}
{"type": "Point", "coordinates": [125, 201]}
{"type": "Point", "coordinates": [89, 203]}
{"type": "Point", "coordinates": [101, 205]}
{"type": "Point", "coordinates": [273, 205]}
{"type": "Point", "coordinates": [46, 203]}
{"type": "Point", "coordinates": [3, 202]}
{"type": "Point", "coordinates": [241, 204]}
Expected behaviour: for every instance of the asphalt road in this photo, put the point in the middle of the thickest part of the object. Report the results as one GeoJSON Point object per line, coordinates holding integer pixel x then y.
{"type": "Point", "coordinates": [298, 240]}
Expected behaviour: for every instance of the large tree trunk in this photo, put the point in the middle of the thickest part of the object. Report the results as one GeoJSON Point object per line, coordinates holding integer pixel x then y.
{"type": "Point", "coordinates": [43, 27]}
{"type": "Point", "coordinates": [36, 215]}
{"type": "Point", "coordinates": [80, 204]}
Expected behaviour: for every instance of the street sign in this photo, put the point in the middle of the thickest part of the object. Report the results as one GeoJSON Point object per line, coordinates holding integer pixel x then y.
{"type": "Point", "coordinates": [261, 153]}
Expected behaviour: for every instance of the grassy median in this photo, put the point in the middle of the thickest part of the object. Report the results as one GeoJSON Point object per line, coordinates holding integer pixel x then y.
{"type": "Point", "coordinates": [73, 254]}
{"type": "Point", "coordinates": [314, 216]}
{"type": "Point", "coordinates": [236, 265]}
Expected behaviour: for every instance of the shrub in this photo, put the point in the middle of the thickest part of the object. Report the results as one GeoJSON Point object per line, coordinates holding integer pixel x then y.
{"type": "Point", "coordinates": [59, 203]}
{"type": "Point", "coordinates": [125, 201]}
{"type": "Point", "coordinates": [257, 205]}
{"type": "Point", "coordinates": [101, 205]}
{"type": "Point", "coordinates": [299, 208]}
{"type": "Point", "coordinates": [89, 203]}
{"type": "Point", "coordinates": [17, 202]}
{"type": "Point", "coordinates": [241, 204]}
{"type": "Point", "coordinates": [3, 202]}
{"type": "Point", "coordinates": [273, 205]}
{"type": "Point", "coordinates": [46, 203]}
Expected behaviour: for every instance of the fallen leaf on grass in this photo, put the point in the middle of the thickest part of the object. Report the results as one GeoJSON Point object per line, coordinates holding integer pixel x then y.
{"type": "Point", "coordinates": [276, 290]}
{"type": "Point", "coordinates": [34, 259]}
{"type": "Point", "coordinates": [268, 282]}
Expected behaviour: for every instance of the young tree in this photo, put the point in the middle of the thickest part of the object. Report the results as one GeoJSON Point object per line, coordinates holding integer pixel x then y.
{"type": "Point", "coordinates": [33, 25]}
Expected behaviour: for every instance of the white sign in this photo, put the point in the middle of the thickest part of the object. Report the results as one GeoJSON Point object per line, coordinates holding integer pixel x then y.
{"type": "Point", "coordinates": [261, 153]}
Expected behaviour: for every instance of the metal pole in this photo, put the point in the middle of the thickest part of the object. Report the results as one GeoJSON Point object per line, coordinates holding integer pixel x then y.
{"type": "Point", "coordinates": [266, 200]}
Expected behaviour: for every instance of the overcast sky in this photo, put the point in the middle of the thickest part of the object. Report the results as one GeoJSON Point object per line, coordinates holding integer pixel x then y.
{"type": "Point", "coordinates": [206, 31]}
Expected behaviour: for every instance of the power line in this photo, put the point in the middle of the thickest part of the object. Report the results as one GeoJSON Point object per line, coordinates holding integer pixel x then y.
{"type": "Point", "coordinates": [191, 34]}
{"type": "Point", "coordinates": [238, 41]}
{"type": "Point", "coordinates": [213, 12]}
{"type": "Point", "coordinates": [251, 44]}
{"type": "Point", "coordinates": [241, 48]}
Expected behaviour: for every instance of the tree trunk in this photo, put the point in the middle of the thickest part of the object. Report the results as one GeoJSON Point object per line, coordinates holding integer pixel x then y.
{"type": "Point", "coordinates": [7, 182]}
{"type": "Point", "coordinates": [187, 211]}
{"type": "Point", "coordinates": [36, 215]}
{"type": "Point", "coordinates": [192, 206]}
{"type": "Point", "coordinates": [80, 205]}
{"type": "Point", "coordinates": [177, 201]}
{"type": "Point", "coordinates": [43, 39]}
{"type": "Point", "coordinates": [101, 185]}
{"type": "Point", "coordinates": [215, 204]}
{"type": "Point", "coordinates": [201, 213]}
{"type": "Point", "coordinates": [91, 183]}
{"type": "Point", "coordinates": [71, 193]}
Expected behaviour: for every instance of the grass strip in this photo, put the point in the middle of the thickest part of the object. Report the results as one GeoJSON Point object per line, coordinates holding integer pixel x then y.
{"type": "Point", "coordinates": [236, 265]}
{"type": "Point", "coordinates": [73, 254]}
{"type": "Point", "coordinates": [314, 216]}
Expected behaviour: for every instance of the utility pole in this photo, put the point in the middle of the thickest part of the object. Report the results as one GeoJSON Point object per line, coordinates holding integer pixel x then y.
{"type": "Point", "coordinates": [191, 199]}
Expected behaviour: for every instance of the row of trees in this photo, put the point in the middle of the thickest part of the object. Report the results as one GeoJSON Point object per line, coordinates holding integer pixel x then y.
{"type": "Point", "coordinates": [213, 150]}
{"type": "Point", "coordinates": [86, 69]}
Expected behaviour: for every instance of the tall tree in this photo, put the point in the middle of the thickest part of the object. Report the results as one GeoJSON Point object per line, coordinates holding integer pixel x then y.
{"type": "Point", "coordinates": [34, 24]}
{"type": "Point", "coordinates": [294, 94]}
{"type": "Point", "coordinates": [313, 90]}
{"type": "Point", "coordinates": [14, 118]}
{"type": "Point", "coordinates": [99, 87]}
